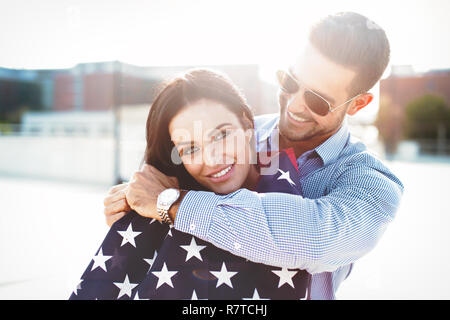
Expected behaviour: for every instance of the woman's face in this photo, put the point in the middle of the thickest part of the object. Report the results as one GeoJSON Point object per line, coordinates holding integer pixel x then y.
{"type": "Point", "coordinates": [213, 145]}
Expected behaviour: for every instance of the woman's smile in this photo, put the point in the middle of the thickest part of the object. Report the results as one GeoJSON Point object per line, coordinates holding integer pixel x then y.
{"type": "Point", "coordinates": [222, 152]}
{"type": "Point", "coordinates": [222, 175]}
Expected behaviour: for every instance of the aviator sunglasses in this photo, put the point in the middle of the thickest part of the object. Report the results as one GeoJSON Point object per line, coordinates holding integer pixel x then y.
{"type": "Point", "coordinates": [317, 104]}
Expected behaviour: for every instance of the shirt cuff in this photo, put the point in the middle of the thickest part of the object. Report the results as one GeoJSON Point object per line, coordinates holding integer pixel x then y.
{"type": "Point", "coordinates": [195, 213]}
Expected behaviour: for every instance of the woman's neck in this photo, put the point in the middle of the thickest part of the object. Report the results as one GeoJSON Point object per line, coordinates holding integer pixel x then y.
{"type": "Point", "coordinates": [252, 178]}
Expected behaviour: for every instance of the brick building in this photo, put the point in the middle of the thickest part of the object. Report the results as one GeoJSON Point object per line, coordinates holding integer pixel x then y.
{"type": "Point", "coordinates": [403, 86]}
{"type": "Point", "coordinates": [99, 86]}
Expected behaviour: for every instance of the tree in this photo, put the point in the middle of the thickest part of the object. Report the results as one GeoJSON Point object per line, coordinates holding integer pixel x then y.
{"type": "Point", "coordinates": [16, 97]}
{"type": "Point", "coordinates": [425, 117]}
{"type": "Point", "coordinates": [388, 123]}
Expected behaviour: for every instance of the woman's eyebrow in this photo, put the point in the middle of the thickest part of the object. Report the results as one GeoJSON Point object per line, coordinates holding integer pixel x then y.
{"type": "Point", "coordinates": [218, 127]}
{"type": "Point", "coordinates": [209, 134]}
{"type": "Point", "coordinates": [183, 143]}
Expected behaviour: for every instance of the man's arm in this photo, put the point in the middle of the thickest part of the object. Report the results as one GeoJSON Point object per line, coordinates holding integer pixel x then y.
{"type": "Point", "coordinates": [139, 194]}
{"type": "Point", "coordinates": [290, 231]}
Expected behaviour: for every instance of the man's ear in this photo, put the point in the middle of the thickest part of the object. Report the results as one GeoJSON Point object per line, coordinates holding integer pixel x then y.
{"type": "Point", "coordinates": [360, 102]}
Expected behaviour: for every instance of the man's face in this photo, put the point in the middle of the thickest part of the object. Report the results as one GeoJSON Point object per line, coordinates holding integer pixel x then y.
{"type": "Point", "coordinates": [329, 80]}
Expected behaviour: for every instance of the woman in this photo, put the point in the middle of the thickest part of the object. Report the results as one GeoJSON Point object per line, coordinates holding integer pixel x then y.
{"type": "Point", "coordinates": [199, 131]}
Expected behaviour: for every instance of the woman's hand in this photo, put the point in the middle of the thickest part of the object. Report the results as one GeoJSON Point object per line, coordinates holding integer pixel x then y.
{"type": "Point", "coordinates": [116, 205]}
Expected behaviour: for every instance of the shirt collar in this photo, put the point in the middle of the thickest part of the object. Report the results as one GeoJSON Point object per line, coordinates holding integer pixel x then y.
{"type": "Point", "coordinates": [328, 151]}
{"type": "Point", "coordinates": [331, 148]}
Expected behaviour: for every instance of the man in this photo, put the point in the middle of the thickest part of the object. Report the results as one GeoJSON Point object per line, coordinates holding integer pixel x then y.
{"type": "Point", "coordinates": [348, 196]}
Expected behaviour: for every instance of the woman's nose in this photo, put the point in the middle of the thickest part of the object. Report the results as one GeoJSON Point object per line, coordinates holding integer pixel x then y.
{"type": "Point", "coordinates": [213, 155]}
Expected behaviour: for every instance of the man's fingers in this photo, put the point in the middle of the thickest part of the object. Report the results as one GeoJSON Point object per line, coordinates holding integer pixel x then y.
{"type": "Point", "coordinates": [113, 218]}
{"type": "Point", "coordinates": [118, 195]}
{"type": "Point", "coordinates": [116, 207]}
{"type": "Point", "coordinates": [117, 187]}
{"type": "Point", "coordinates": [148, 170]}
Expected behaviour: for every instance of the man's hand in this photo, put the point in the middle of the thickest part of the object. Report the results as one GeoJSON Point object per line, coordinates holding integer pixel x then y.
{"type": "Point", "coordinates": [140, 194]}
{"type": "Point", "coordinates": [116, 205]}
{"type": "Point", "coordinates": [143, 190]}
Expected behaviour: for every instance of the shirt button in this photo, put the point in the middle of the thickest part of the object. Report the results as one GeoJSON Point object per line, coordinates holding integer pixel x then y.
{"type": "Point", "coordinates": [237, 246]}
{"type": "Point", "coordinates": [192, 227]}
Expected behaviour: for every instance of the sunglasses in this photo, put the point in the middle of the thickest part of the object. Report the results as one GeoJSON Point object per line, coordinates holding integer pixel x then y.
{"type": "Point", "coordinates": [316, 103]}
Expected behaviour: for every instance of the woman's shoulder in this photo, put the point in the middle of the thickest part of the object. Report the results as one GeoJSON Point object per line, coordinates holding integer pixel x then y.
{"type": "Point", "coordinates": [265, 121]}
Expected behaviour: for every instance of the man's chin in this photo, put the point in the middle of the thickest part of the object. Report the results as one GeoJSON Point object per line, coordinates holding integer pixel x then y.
{"type": "Point", "coordinates": [293, 133]}
{"type": "Point", "coordinates": [297, 138]}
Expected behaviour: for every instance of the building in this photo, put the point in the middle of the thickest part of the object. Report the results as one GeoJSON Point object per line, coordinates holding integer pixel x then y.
{"type": "Point", "coordinates": [102, 85]}
{"type": "Point", "coordinates": [403, 86]}
{"type": "Point", "coordinates": [69, 128]}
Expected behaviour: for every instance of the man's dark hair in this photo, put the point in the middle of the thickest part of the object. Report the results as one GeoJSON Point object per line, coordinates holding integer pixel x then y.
{"type": "Point", "coordinates": [354, 41]}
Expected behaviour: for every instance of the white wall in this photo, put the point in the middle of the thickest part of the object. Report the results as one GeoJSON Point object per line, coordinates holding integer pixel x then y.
{"type": "Point", "coordinates": [85, 156]}
{"type": "Point", "coordinates": [80, 159]}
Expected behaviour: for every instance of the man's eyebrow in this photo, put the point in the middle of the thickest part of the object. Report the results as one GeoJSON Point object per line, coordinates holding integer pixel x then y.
{"type": "Point", "coordinates": [323, 95]}
{"type": "Point", "coordinates": [218, 127]}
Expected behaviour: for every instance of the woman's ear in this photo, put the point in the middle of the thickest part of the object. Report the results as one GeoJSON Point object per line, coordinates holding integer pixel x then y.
{"type": "Point", "coordinates": [360, 102]}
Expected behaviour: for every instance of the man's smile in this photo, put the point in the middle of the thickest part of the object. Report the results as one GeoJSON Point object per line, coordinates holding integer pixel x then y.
{"type": "Point", "coordinates": [297, 118]}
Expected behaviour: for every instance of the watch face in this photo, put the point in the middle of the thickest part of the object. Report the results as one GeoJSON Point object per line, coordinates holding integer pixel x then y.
{"type": "Point", "coordinates": [169, 196]}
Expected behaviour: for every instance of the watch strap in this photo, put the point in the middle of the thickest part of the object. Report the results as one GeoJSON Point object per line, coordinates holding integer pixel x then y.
{"type": "Point", "coordinates": [164, 215]}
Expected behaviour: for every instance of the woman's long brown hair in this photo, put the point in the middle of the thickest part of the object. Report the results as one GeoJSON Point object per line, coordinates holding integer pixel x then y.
{"type": "Point", "coordinates": [180, 92]}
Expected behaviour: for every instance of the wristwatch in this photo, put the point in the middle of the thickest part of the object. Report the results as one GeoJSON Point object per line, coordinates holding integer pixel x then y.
{"type": "Point", "coordinates": [165, 200]}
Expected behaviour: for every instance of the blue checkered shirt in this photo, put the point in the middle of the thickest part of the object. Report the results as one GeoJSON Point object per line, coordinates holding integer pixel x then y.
{"type": "Point", "coordinates": [348, 199]}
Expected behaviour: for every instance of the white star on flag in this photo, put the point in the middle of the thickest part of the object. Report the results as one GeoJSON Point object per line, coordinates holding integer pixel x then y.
{"type": "Point", "coordinates": [170, 230]}
{"type": "Point", "coordinates": [100, 260]}
{"type": "Point", "coordinates": [164, 276]}
{"type": "Point", "coordinates": [193, 250]}
{"type": "Point", "coordinates": [285, 276]}
{"type": "Point", "coordinates": [125, 287]}
{"type": "Point", "coordinates": [194, 296]}
{"type": "Point", "coordinates": [129, 235]}
{"type": "Point", "coordinates": [224, 276]}
{"type": "Point", "coordinates": [286, 176]}
{"type": "Point", "coordinates": [136, 297]}
{"type": "Point", "coordinates": [151, 261]}
{"type": "Point", "coordinates": [255, 296]}
{"type": "Point", "coordinates": [154, 220]}
{"type": "Point", "coordinates": [78, 287]}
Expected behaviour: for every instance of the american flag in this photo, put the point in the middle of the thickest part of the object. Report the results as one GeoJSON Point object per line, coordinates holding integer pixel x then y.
{"type": "Point", "coordinates": [141, 258]}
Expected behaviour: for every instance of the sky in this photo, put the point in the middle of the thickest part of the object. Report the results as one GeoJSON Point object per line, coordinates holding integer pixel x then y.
{"type": "Point", "coordinates": [62, 33]}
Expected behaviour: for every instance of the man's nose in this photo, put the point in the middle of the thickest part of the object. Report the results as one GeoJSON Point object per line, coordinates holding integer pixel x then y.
{"type": "Point", "coordinates": [295, 103]}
